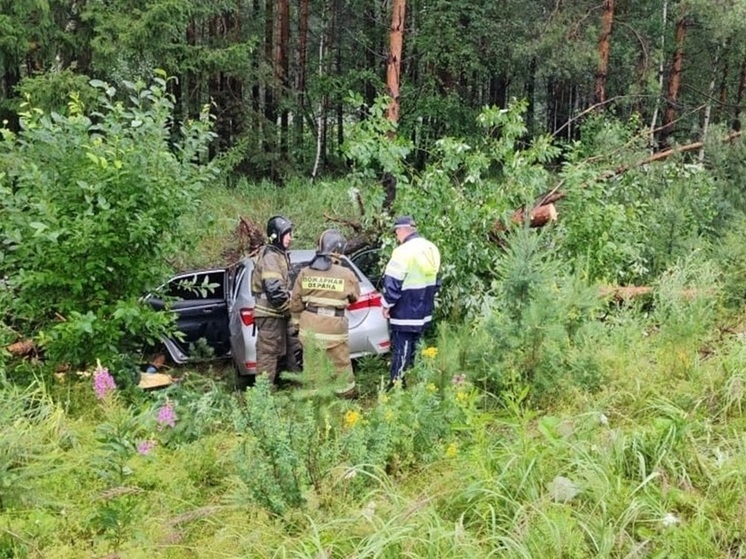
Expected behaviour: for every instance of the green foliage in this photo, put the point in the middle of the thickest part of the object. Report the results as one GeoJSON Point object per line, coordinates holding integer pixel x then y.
{"type": "Point", "coordinates": [52, 91]}
{"type": "Point", "coordinates": [685, 311]}
{"type": "Point", "coordinates": [27, 442]}
{"type": "Point", "coordinates": [540, 328]}
{"type": "Point", "coordinates": [729, 253]}
{"type": "Point", "coordinates": [93, 206]}
{"type": "Point", "coordinates": [372, 145]}
{"type": "Point", "coordinates": [629, 228]}
{"type": "Point", "coordinates": [685, 205]}
{"type": "Point", "coordinates": [270, 462]}
{"type": "Point", "coordinates": [651, 460]}
{"type": "Point", "coordinates": [458, 197]}
{"type": "Point", "coordinates": [296, 452]}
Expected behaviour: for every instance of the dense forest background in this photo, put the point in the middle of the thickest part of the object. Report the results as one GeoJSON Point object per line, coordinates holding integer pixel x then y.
{"type": "Point", "coordinates": [121, 117]}
{"type": "Point", "coordinates": [580, 166]}
{"type": "Point", "coordinates": [285, 80]}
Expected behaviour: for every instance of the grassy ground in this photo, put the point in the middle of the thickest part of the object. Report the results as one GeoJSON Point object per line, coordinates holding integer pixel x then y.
{"type": "Point", "coordinates": [308, 206]}
{"type": "Point", "coordinates": [649, 464]}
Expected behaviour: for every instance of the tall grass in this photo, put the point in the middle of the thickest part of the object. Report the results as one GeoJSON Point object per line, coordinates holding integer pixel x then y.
{"type": "Point", "coordinates": [558, 426]}
{"type": "Point", "coordinates": [307, 205]}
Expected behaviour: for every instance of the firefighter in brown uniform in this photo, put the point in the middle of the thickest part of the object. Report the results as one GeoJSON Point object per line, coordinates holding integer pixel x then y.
{"type": "Point", "coordinates": [320, 296]}
{"type": "Point", "coordinates": [270, 284]}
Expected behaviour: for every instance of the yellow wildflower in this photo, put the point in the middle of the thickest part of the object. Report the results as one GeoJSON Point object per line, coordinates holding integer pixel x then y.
{"type": "Point", "coordinates": [351, 418]}
{"type": "Point", "coordinates": [389, 415]}
{"type": "Point", "coordinates": [462, 396]}
{"type": "Point", "coordinates": [432, 388]}
{"type": "Point", "coordinates": [451, 450]}
{"type": "Point", "coordinates": [430, 352]}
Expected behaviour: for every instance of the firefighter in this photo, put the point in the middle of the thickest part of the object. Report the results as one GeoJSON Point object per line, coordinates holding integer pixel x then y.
{"type": "Point", "coordinates": [270, 284]}
{"type": "Point", "coordinates": [321, 293]}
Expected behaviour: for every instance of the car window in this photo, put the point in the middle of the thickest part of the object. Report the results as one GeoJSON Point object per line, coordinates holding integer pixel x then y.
{"type": "Point", "coordinates": [200, 285]}
{"type": "Point", "coordinates": [235, 276]}
{"type": "Point", "coordinates": [368, 260]}
{"type": "Point", "coordinates": [346, 263]}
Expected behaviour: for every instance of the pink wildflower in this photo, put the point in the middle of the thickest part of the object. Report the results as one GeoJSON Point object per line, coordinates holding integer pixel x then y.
{"type": "Point", "coordinates": [144, 447]}
{"type": "Point", "coordinates": [166, 415]}
{"type": "Point", "coordinates": [103, 382]}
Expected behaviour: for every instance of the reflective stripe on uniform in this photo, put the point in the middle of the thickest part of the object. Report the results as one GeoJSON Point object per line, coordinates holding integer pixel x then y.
{"type": "Point", "coordinates": [324, 337]}
{"type": "Point", "coordinates": [262, 310]}
{"type": "Point", "coordinates": [410, 321]}
{"type": "Point", "coordinates": [324, 302]}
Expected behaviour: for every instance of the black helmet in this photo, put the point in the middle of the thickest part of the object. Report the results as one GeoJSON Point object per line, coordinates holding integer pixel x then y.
{"type": "Point", "coordinates": [277, 226]}
{"type": "Point", "coordinates": [331, 244]}
{"type": "Point", "coordinates": [331, 241]}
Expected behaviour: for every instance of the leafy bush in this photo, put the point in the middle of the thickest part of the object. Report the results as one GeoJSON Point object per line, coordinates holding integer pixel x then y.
{"type": "Point", "coordinates": [92, 205]}
{"type": "Point", "coordinates": [540, 326]}
{"type": "Point", "coordinates": [294, 450]}
{"type": "Point", "coordinates": [628, 228]}
{"type": "Point", "coordinates": [728, 252]}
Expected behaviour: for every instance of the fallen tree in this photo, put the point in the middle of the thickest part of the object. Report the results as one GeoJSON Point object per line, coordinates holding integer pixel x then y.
{"type": "Point", "coordinates": [543, 209]}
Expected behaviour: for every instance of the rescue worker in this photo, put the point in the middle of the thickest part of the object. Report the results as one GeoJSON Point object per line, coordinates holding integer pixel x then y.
{"type": "Point", "coordinates": [410, 282]}
{"type": "Point", "coordinates": [320, 296]}
{"type": "Point", "coordinates": [270, 284]}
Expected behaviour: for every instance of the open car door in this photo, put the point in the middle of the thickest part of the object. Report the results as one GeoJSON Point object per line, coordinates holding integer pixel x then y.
{"type": "Point", "coordinates": [199, 302]}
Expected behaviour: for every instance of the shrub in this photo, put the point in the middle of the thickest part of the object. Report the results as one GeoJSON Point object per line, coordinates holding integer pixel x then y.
{"type": "Point", "coordinates": [539, 323]}
{"type": "Point", "coordinates": [91, 206]}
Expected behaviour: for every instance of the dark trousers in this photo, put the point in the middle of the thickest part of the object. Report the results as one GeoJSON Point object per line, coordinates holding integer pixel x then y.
{"type": "Point", "coordinates": [276, 347]}
{"type": "Point", "coordinates": [403, 346]}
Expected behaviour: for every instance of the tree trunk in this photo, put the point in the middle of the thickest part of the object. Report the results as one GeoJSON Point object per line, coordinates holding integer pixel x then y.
{"type": "Point", "coordinates": [674, 80]}
{"type": "Point", "coordinates": [72, 50]}
{"type": "Point", "coordinates": [604, 47]}
{"type": "Point", "coordinates": [724, 77]}
{"type": "Point", "coordinates": [282, 68]}
{"type": "Point", "coordinates": [738, 106]}
{"type": "Point", "coordinates": [11, 78]}
{"type": "Point", "coordinates": [302, 62]}
{"type": "Point", "coordinates": [561, 94]}
{"type": "Point", "coordinates": [708, 105]}
{"type": "Point", "coordinates": [531, 96]}
{"type": "Point", "coordinates": [339, 101]}
{"type": "Point", "coordinates": [320, 119]}
{"type": "Point", "coordinates": [498, 90]}
{"type": "Point", "coordinates": [270, 104]}
{"type": "Point", "coordinates": [661, 62]}
{"type": "Point", "coordinates": [393, 74]}
{"type": "Point", "coordinates": [257, 88]}
{"type": "Point", "coordinates": [393, 66]}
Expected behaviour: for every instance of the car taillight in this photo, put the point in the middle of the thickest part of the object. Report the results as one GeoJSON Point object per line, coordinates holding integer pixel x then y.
{"type": "Point", "coordinates": [372, 299]}
{"type": "Point", "coordinates": [247, 316]}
